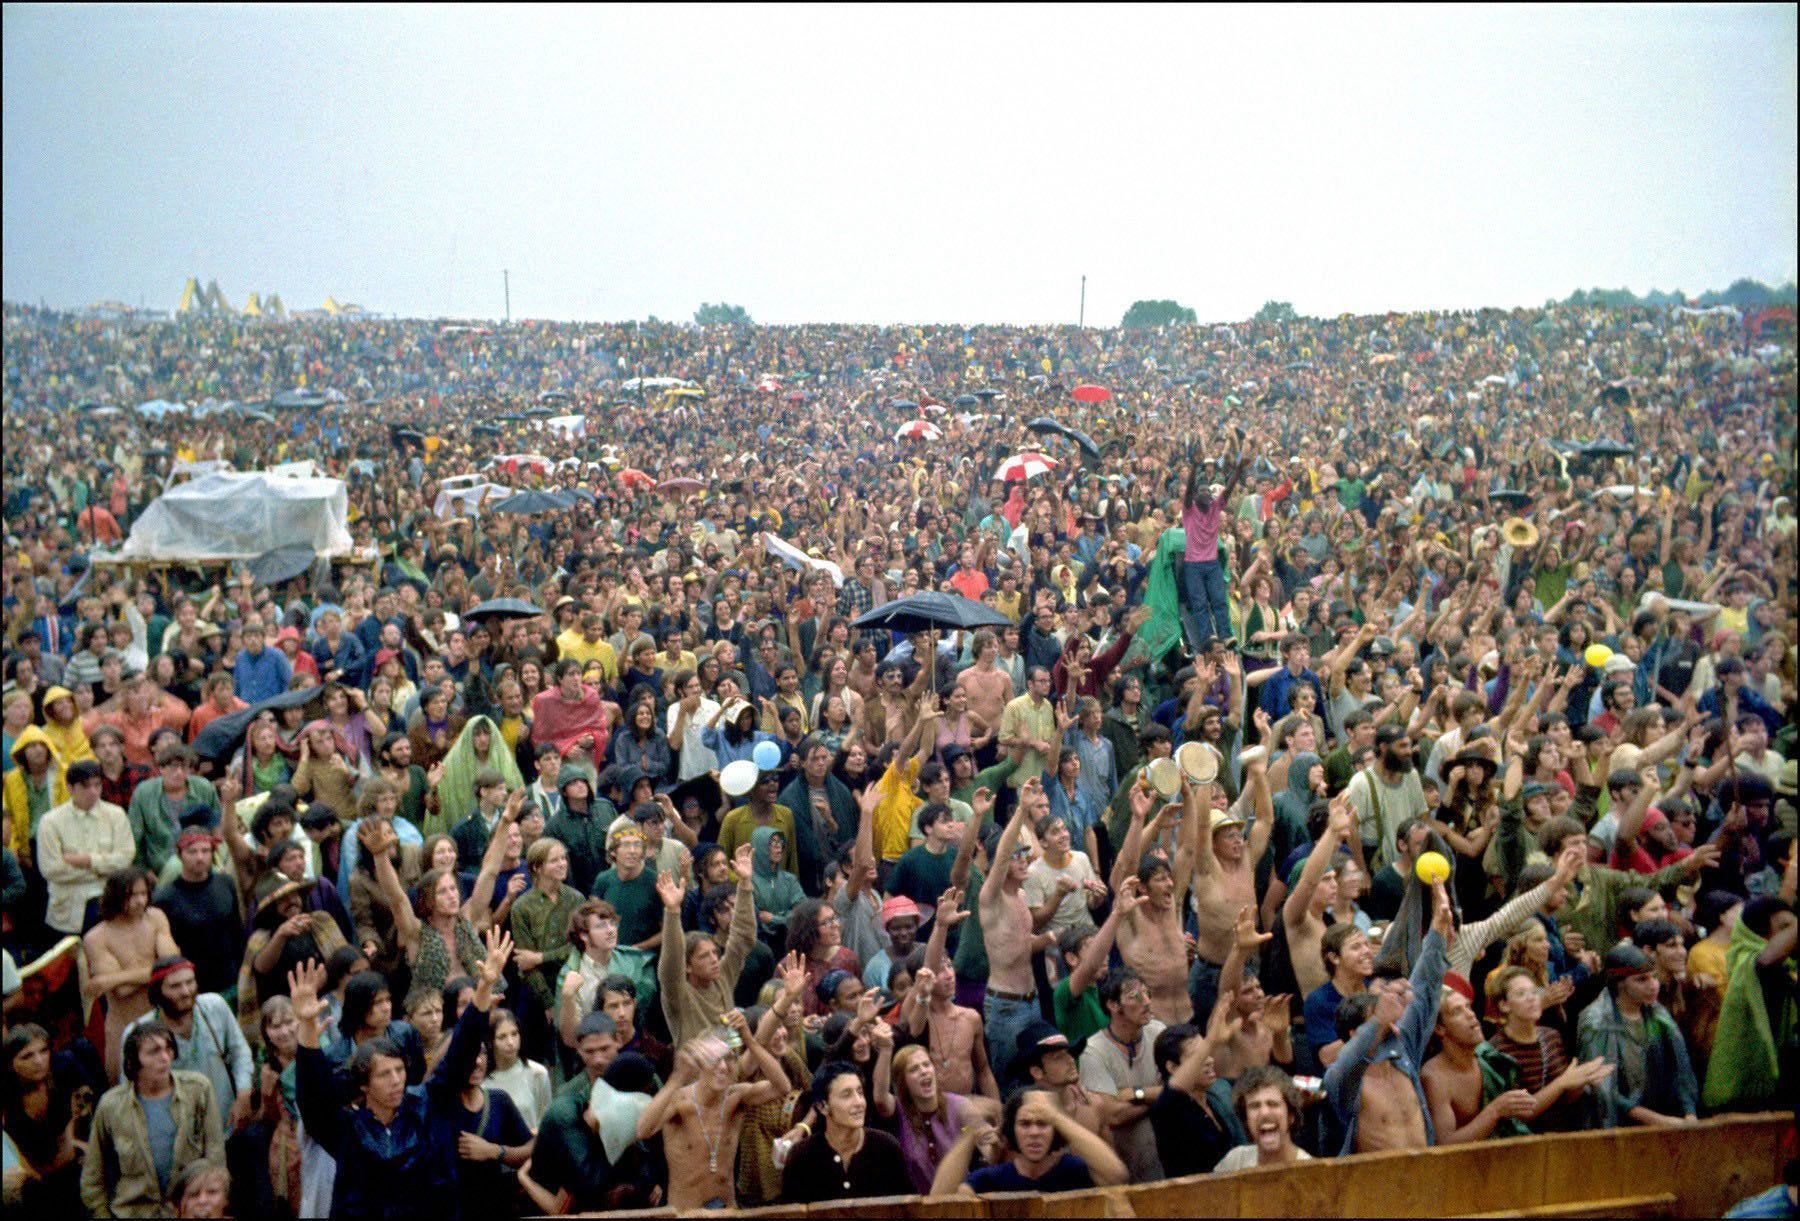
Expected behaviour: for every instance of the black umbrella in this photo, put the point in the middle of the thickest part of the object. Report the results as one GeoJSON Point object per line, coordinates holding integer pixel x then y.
{"type": "Point", "coordinates": [987, 394]}
{"type": "Point", "coordinates": [486, 430]}
{"type": "Point", "coordinates": [223, 734]}
{"type": "Point", "coordinates": [406, 436]}
{"type": "Point", "coordinates": [1510, 498]}
{"type": "Point", "coordinates": [922, 611]}
{"type": "Point", "coordinates": [505, 608]}
{"type": "Point", "coordinates": [571, 495]}
{"type": "Point", "coordinates": [539, 411]}
{"type": "Point", "coordinates": [965, 400]}
{"type": "Point", "coordinates": [904, 405]}
{"type": "Point", "coordinates": [1046, 426]}
{"type": "Point", "coordinates": [299, 399]}
{"type": "Point", "coordinates": [1606, 449]}
{"type": "Point", "coordinates": [1615, 392]}
{"type": "Point", "coordinates": [554, 396]}
{"type": "Point", "coordinates": [530, 501]}
{"type": "Point", "coordinates": [282, 563]}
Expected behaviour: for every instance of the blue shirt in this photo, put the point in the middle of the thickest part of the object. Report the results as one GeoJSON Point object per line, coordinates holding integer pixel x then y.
{"type": "Point", "coordinates": [1069, 1173]}
{"type": "Point", "coordinates": [160, 1121]}
{"type": "Point", "coordinates": [256, 677]}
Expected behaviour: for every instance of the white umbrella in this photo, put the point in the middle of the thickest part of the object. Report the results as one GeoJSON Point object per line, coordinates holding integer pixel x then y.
{"type": "Point", "coordinates": [1025, 466]}
{"type": "Point", "coordinates": [919, 430]}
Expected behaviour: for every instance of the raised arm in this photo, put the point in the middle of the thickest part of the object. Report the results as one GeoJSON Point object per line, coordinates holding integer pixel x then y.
{"type": "Point", "coordinates": [479, 907]}
{"type": "Point", "coordinates": [376, 839]}
{"type": "Point", "coordinates": [1338, 828]}
{"type": "Point", "coordinates": [991, 885]}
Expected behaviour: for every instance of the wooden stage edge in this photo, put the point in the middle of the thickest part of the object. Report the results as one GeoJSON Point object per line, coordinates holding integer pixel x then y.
{"type": "Point", "coordinates": [1698, 1171]}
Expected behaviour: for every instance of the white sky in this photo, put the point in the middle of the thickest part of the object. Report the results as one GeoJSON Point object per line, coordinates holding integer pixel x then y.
{"type": "Point", "coordinates": [895, 164]}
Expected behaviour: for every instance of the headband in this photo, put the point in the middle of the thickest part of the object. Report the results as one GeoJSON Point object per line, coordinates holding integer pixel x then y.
{"type": "Point", "coordinates": [168, 969]}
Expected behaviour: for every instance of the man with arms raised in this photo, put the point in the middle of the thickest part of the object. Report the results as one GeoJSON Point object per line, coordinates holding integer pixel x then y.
{"type": "Point", "coordinates": [700, 1112]}
{"type": "Point", "coordinates": [1011, 1003]}
{"type": "Point", "coordinates": [1374, 1083]}
{"type": "Point", "coordinates": [1150, 940]}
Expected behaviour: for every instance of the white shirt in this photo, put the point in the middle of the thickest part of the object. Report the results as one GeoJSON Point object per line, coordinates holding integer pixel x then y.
{"type": "Point", "coordinates": [696, 758]}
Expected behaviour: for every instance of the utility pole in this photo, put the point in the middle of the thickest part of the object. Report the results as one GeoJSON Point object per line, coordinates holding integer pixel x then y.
{"type": "Point", "coordinates": [506, 278]}
{"type": "Point", "coordinates": [1081, 319]}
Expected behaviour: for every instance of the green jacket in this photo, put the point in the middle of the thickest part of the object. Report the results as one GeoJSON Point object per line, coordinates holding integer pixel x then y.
{"type": "Point", "coordinates": [541, 924]}
{"type": "Point", "coordinates": [118, 1179]}
{"type": "Point", "coordinates": [1745, 1069]}
{"type": "Point", "coordinates": [153, 821]}
{"type": "Point", "coordinates": [1499, 1073]}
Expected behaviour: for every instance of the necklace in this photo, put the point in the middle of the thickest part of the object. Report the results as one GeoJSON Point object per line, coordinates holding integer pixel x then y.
{"type": "Point", "coordinates": [712, 1142]}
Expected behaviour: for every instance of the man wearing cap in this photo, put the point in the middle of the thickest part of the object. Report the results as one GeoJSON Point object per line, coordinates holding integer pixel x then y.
{"type": "Point", "coordinates": [79, 843]}
{"type": "Point", "coordinates": [1653, 1081]}
{"type": "Point", "coordinates": [1046, 1058]}
{"type": "Point", "coordinates": [284, 935]}
{"type": "Point", "coordinates": [259, 672]}
{"type": "Point", "coordinates": [207, 1039]}
{"type": "Point", "coordinates": [900, 920]}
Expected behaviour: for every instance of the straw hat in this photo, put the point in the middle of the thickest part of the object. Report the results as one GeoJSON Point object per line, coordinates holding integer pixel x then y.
{"type": "Point", "coordinates": [1519, 532]}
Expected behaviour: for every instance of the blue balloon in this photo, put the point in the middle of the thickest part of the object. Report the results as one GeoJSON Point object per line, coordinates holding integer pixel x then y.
{"type": "Point", "coordinates": [766, 756]}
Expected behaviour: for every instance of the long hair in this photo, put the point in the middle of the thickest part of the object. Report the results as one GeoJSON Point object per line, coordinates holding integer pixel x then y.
{"type": "Point", "coordinates": [115, 892]}
{"type": "Point", "coordinates": [803, 927]}
{"type": "Point", "coordinates": [18, 1038]}
{"type": "Point", "coordinates": [130, 1056]}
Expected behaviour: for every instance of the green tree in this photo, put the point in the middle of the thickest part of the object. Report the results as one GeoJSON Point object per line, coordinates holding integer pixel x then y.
{"type": "Point", "coordinates": [1156, 313]}
{"type": "Point", "coordinates": [1276, 311]}
{"type": "Point", "coordinates": [722, 315]}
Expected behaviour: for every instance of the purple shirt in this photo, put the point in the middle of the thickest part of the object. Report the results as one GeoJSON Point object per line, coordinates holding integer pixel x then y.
{"type": "Point", "coordinates": [1202, 527]}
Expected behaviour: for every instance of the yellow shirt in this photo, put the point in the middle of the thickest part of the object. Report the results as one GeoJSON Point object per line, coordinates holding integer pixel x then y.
{"type": "Point", "coordinates": [894, 815]}
{"type": "Point", "coordinates": [573, 644]}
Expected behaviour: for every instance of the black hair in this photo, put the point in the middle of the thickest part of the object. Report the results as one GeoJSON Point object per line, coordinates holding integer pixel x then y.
{"type": "Point", "coordinates": [115, 892]}
{"type": "Point", "coordinates": [710, 902]}
{"type": "Point", "coordinates": [361, 993]}
{"type": "Point", "coordinates": [454, 987]}
{"type": "Point", "coordinates": [1352, 1012]}
{"type": "Point", "coordinates": [1009, 1117]}
{"type": "Point", "coordinates": [362, 1061]}
{"type": "Point", "coordinates": [1113, 983]}
{"type": "Point", "coordinates": [618, 983]}
{"type": "Point", "coordinates": [130, 1055]}
{"type": "Point", "coordinates": [1759, 914]}
{"type": "Point", "coordinates": [1169, 1045]}
{"type": "Point", "coordinates": [1651, 933]}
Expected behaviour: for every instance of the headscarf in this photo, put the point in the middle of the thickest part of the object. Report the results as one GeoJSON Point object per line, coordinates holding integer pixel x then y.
{"type": "Point", "coordinates": [456, 790]}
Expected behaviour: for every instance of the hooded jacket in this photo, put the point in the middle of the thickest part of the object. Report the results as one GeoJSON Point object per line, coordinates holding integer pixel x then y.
{"type": "Point", "coordinates": [1291, 806]}
{"type": "Point", "coordinates": [583, 834]}
{"type": "Point", "coordinates": [71, 740]}
{"type": "Point", "coordinates": [23, 814]}
{"type": "Point", "coordinates": [776, 890]}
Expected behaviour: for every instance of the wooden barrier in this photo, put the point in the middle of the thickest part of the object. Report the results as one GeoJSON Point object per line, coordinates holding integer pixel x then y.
{"type": "Point", "coordinates": [1628, 1172]}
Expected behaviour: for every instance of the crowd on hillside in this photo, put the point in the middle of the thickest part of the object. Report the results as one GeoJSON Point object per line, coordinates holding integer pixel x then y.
{"type": "Point", "coordinates": [1382, 736]}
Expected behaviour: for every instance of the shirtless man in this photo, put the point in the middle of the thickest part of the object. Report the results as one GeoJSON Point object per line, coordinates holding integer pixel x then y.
{"type": "Point", "coordinates": [700, 1112]}
{"type": "Point", "coordinates": [989, 687]}
{"type": "Point", "coordinates": [1262, 1031]}
{"type": "Point", "coordinates": [1011, 1003]}
{"type": "Point", "coordinates": [1314, 893]}
{"type": "Point", "coordinates": [1374, 1082]}
{"type": "Point", "coordinates": [1453, 1084]}
{"type": "Point", "coordinates": [120, 951]}
{"type": "Point", "coordinates": [1150, 940]}
{"type": "Point", "coordinates": [1225, 877]}
{"type": "Point", "coordinates": [953, 1033]}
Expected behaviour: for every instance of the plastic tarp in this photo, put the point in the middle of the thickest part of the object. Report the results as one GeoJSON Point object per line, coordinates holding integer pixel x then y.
{"type": "Point", "coordinates": [239, 515]}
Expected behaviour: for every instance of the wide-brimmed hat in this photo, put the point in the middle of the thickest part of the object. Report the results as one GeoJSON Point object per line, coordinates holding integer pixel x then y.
{"type": "Point", "coordinates": [271, 889]}
{"type": "Point", "coordinates": [1474, 756]}
{"type": "Point", "coordinates": [1519, 533]}
{"type": "Point", "coordinates": [899, 906]}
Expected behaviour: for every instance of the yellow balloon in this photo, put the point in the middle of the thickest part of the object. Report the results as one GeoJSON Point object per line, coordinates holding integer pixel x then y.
{"type": "Point", "coordinates": [1432, 868]}
{"type": "Point", "coordinates": [1597, 655]}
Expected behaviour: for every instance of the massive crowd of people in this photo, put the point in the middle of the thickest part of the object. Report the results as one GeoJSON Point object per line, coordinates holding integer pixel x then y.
{"type": "Point", "coordinates": [1383, 737]}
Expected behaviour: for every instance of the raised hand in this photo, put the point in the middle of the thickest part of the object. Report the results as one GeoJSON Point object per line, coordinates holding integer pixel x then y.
{"type": "Point", "coordinates": [229, 789]}
{"type": "Point", "coordinates": [1142, 797]}
{"type": "Point", "coordinates": [793, 974]}
{"type": "Point", "coordinates": [1277, 1012]}
{"type": "Point", "coordinates": [1569, 862]}
{"type": "Point", "coordinates": [1223, 1024]}
{"type": "Point", "coordinates": [949, 907]}
{"type": "Point", "coordinates": [1442, 920]}
{"type": "Point", "coordinates": [304, 984]}
{"type": "Point", "coordinates": [1244, 929]}
{"type": "Point", "coordinates": [744, 859]}
{"type": "Point", "coordinates": [499, 950]}
{"type": "Point", "coordinates": [982, 802]}
{"type": "Point", "coordinates": [1390, 1005]}
{"type": "Point", "coordinates": [1130, 897]}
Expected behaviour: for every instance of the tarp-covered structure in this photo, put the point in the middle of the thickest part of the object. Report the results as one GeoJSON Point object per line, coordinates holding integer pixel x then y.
{"type": "Point", "coordinates": [238, 515]}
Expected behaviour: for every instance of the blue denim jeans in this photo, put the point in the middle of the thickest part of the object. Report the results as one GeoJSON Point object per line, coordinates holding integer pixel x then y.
{"type": "Point", "coordinates": [1203, 589]}
{"type": "Point", "coordinates": [1006, 1020]}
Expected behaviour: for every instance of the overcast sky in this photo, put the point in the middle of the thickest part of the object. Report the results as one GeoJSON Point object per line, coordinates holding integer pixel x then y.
{"type": "Point", "coordinates": [905, 164]}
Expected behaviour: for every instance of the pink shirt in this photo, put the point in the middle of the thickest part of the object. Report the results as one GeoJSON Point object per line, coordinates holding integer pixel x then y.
{"type": "Point", "coordinates": [1202, 527]}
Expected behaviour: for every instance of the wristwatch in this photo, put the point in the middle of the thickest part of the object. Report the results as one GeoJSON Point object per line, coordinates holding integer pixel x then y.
{"type": "Point", "coordinates": [1137, 1095]}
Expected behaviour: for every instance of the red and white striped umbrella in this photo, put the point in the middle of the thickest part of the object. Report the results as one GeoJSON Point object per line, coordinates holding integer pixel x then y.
{"type": "Point", "coordinates": [1025, 466]}
{"type": "Point", "coordinates": [919, 430]}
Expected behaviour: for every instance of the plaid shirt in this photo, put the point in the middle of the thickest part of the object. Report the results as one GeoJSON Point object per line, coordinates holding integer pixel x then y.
{"type": "Point", "coordinates": [855, 598]}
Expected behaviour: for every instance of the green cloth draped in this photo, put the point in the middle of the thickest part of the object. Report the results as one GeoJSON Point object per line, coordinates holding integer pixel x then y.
{"type": "Point", "coordinates": [456, 791]}
{"type": "Point", "coordinates": [1162, 594]}
{"type": "Point", "coordinates": [1746, 1058]}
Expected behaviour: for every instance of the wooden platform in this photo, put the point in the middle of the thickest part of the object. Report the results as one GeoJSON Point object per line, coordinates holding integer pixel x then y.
{"type": "Point", "coordinates": [1637, 1172]}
